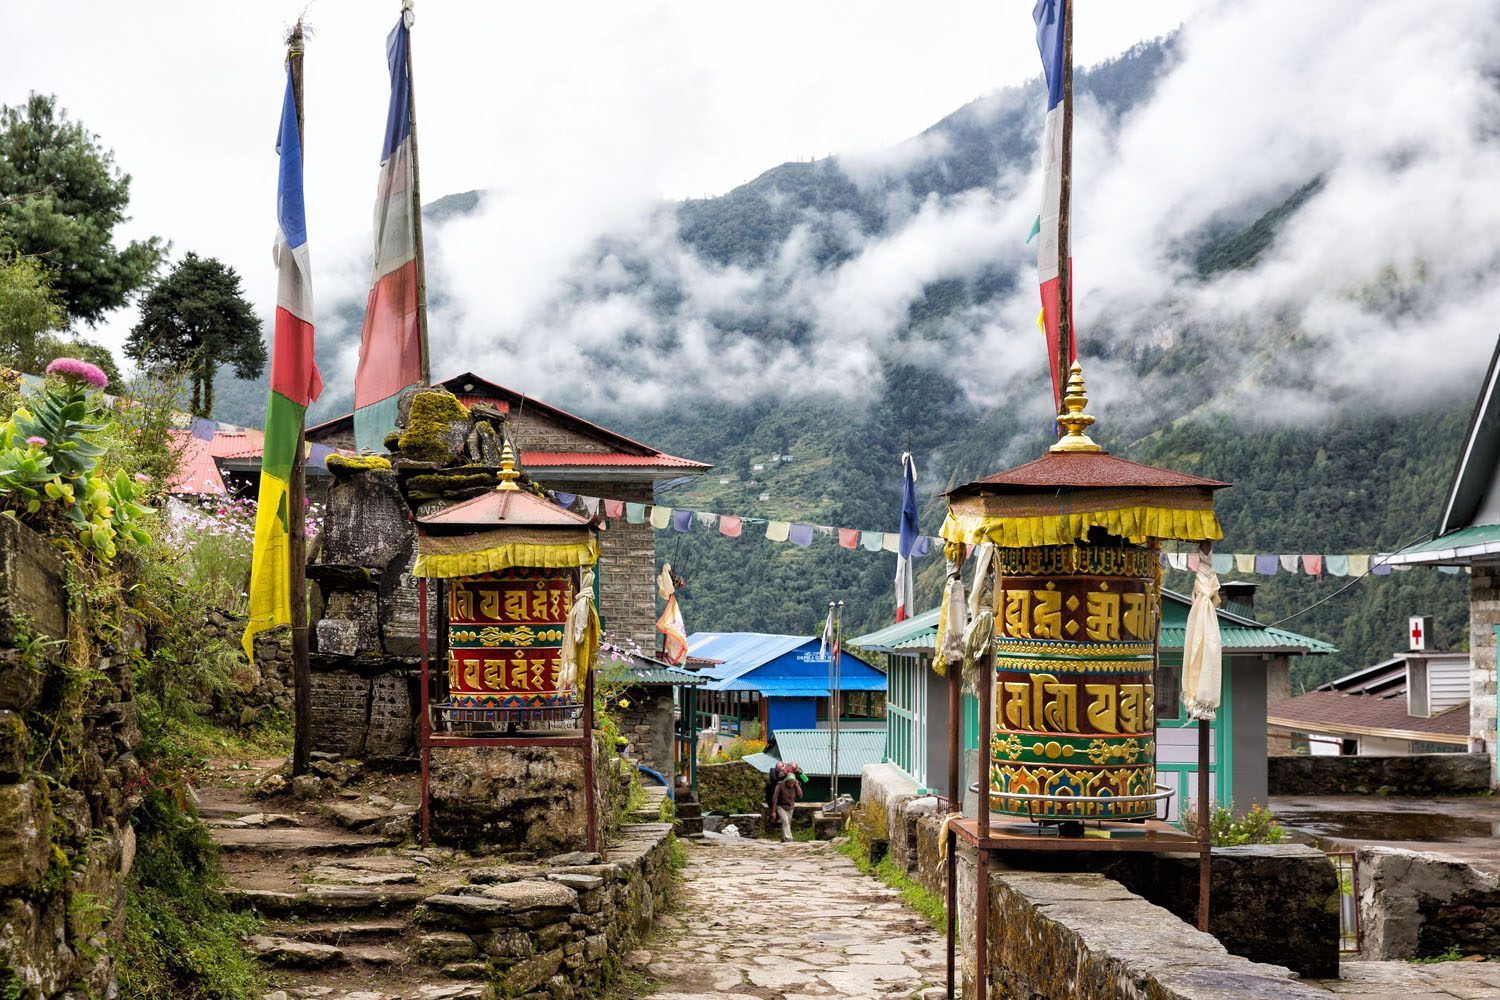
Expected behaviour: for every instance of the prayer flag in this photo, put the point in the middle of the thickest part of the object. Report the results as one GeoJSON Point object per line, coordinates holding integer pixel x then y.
{"type": "Point", "coordinates": [778, 531]}
{"type": "Point", "coordinates": [1223, 563]}
{"type": "Point", "coordinates": [1050, 16]}
{"type": "Point", "coordinates": [565, 499]}
{"type": "Point", "coordinates": [906, 540]}
{"type": "Point", "coordinates": [614, 508]}
{"type": "Point", "coordinates": [1313, 565]}
{"type": "Point", "coordinates": [1266, 565]}
{"type": "Point", "coordinates": [730, 525]}
{"type": "Point", "coordinates": [591, 504]}
{"type": "Point", "coordinates": [922, 545]}
{"type": "Point", "coordinates": [294, 384]}
{"type": "Point", "coordinates": [829, 638]}
{"type": "Point", "coordinates": [1380, 567]}
{"type": "Point", "coordinates": [635, 513]}
{"type": "Point", "coordinates": [674, 645]}
{"type": "Point", "coordinates": [1289, 563]}
{"type": "Point", "coordinates": [661, 517]}
{"type": "Point", "coordinates": [1244, 562]}
{"type": "Point", "coordinates": [682, 520]}
{"type": "Point", "coordinates": [707, 519]}
{"type": "Point", "coordinates": [873, 541]}
{"type": "Point", "coordinates": [390, 348]}
{"type": "Point", "coordinates": [1359, 565]}
{"type": "Point", "coordinates": [1337, 565]}
{"type": "Point", "coordinates": [849, 537]}
{"type": "Point", "coordinates": [801, 534]}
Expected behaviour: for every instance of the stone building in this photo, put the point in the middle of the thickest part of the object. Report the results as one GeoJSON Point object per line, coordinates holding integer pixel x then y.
{"type": "Point", "coordinates": [1468, 535]}
{"type": "Point", "coordinates": [571, 455]}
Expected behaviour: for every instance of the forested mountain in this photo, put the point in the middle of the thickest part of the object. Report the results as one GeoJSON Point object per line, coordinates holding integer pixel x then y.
{"type": "Point", "coordinates": [846, 309]}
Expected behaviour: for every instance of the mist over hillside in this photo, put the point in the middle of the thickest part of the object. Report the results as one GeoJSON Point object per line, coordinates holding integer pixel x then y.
{"type": "Point", "coordinates": [1286, 267]}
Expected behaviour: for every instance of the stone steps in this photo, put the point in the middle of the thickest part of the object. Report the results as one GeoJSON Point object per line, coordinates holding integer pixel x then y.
{"type": "Point", "coordinates": [295, 840]}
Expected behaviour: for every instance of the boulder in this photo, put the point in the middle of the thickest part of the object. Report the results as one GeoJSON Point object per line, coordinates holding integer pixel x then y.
{"type": "Point", "coordinates": [25, 815]}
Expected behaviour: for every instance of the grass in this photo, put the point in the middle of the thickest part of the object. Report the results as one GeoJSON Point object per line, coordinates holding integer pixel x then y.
{"type": "Point", "coordinates": [1451, 955]}
{"type": "Point", "coordinates": [913, 893]}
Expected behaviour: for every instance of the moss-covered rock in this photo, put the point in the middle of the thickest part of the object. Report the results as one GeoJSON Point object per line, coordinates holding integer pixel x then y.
{"type": "Point", "coordinates": [350, 464]}
{"type": "Point", "coordinates": [437, 427]}
{"type": "Point", "coordinates": [448, 485]}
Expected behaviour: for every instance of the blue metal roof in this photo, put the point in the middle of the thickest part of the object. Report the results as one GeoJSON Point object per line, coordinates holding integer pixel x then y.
{"type": "Point", "coordinates": [782, 666]}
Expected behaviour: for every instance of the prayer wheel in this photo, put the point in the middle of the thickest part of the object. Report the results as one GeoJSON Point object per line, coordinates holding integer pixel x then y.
{"type": "Point", "coordinates": [1074, 675]}
{"type": "Point", "coordinates": [505, 636]}
{"type": "Point", "coordinates": [1077, 597]}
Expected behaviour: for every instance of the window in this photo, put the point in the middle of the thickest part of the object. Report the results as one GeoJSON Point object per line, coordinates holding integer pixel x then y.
{"type": "Point", "coordinates": [1169, 689]}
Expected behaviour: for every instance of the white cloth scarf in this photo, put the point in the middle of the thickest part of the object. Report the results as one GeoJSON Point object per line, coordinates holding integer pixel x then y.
{"type": "Point", "coordinates": [1203, 650]}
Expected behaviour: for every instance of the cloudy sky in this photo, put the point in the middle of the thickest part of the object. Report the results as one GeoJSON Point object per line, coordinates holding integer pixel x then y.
{"type": "Point", "coordinates": [601, 106]}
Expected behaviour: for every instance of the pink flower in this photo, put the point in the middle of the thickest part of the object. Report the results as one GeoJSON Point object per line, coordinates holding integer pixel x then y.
{"type": "Point", "coordinates": [37, 442]}
{"type": "Point", "coordinates": [81, 370]}
{"type": "Point", "coordinates": [141, 477]}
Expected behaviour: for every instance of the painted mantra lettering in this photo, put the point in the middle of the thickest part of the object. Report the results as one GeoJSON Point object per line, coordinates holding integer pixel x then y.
{"type": "Point", "coordinates": [1079, 610]}
{"type": "Point", "coordinates": [505, 636]}
{"type": "Point", "coordinates": [1043, 703]}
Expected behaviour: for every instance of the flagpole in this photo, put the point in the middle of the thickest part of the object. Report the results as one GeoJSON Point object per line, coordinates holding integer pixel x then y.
{"type": "Point", "coordinates": [1064, 252]}
{"type": "Point", "coordinates": [297, 514]}
{"type": "Point", "coordinates": [416, 198]}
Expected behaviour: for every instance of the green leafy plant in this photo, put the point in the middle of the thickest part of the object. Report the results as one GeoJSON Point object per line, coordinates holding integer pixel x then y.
{"type": "Point", "coordinates": [1257, 826]}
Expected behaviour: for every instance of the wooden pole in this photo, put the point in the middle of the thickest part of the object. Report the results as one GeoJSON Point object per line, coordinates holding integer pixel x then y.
{"type": "Point", "coordinates": [416, 207]}
{"type": "Point", "coordinates": [297, 513]}
{"type": "Point", "coordinates": [424, 723]}
{"type": "Point", "coordinates": [952, 914]}
{"type": "Point", "coordinates": [1064, 251]}
{"type": "Point", "coordinates": [955, 737]}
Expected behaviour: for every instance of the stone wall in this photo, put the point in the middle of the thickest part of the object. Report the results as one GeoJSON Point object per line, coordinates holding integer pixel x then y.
{"type": "Point", "coordinates": [557, 934]}
{"type": "Point", "coordinates": [66, 843]}
{"type": "Point", "coordinates": [1484, 615]}
{"type": "Point", "coordinates": [1415, 905]}
{"type": "Point", "coordinates": [1268, 903]}
{"type": "Point", "coordinates": [262, 690]}
{"type": "Point", "coordinates": [1083, 936]}
{"type": "Point", "coordinates": [647, 724]}
{"type": "Point", "coordinates": [731, 787]}
{"type": "Point", "coordinates": [1416, 775]}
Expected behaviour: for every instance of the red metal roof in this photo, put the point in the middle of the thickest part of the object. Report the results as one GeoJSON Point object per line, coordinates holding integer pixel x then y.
{"type": "Point", "coordinates": [1336, 711]}
{"type": "Point", "coordinates": [1083, 470]}
{"type": "Point", "coordinates": [197, 471]}
{"type": "Point", "coordinates": [504, 508]}
{"type": "Point", "coordinates": [552, 459]}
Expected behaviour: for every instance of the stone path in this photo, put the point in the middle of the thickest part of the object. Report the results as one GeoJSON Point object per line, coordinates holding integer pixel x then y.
{"type": "Point", "coordinates": [1409, 981]}
{"type": "Point", "coordinates": [762, 920]}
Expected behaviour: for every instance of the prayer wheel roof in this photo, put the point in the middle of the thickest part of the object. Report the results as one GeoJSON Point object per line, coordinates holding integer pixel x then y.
{"type": "Point", "coordinates": [1082, 470]}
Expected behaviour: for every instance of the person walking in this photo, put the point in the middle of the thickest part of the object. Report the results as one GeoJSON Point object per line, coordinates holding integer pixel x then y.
{"type": "Point", "coordinates": [788, 791]}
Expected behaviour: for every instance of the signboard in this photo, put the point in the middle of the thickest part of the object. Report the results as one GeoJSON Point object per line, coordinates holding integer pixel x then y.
{"type": "Point", "coordinates": [1419, 630]}
{"type": "Point", "coordinates": [505, 633]}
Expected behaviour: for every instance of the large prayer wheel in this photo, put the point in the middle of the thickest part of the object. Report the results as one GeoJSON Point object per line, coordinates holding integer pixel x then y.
{"type": "Point", "coordinates": [1077, 597]}
{"type": "Point", "coordinates": [1074, 681]}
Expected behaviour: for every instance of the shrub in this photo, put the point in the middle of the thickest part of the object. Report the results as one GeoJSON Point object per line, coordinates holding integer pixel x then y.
{"type": "Point", "coordinates": [741, 747]}
{"type": "Point", "coordinates": [1258, 826]}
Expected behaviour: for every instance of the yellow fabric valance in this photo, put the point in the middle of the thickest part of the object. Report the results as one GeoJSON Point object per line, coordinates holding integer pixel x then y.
{"type": "Point", "coordinates": [1137, 524]}
{"type": "Point", "coordinates": [508, 555]}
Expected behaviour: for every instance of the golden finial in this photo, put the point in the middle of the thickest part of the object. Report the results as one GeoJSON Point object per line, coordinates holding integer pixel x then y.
{"type": "Point", "coordinates": [508, 473]}
{"type": "Point", "coordinates": [1074, 421]}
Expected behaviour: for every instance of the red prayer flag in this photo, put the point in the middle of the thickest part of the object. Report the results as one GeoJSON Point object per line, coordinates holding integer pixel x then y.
{"type": "Point", "coordinates": [730, 525]}
{"type": "Point", "coordinates": [614, 508]}
{"type": "Point", "coordinates": [849, 537]}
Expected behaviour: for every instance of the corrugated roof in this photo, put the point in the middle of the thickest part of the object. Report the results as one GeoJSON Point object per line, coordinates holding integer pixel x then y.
{"type": "Point", "coordinates": [919, 631]}
{"type": "Point", "coordinates": [1238, 634]}
{"type": "Point", "coordinates": [1363, 714]}
{"type": "Point", "coordinates": [1085, 470]}
{"type": "Point", "coordinates": [739, 652]}
{"type": "Point", "coordinates": [611, 459]}
{"type": "Point", "coordinates": [197, 470]}
{"type": "Point", "coordinates": [645, 671]}
{"type": "Point", "coordinates": [809, 749]}
{"type": "Point", "coordinates": [1457, 548]}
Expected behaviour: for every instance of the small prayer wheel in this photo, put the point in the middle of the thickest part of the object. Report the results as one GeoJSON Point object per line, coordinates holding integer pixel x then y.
{"type": "Point", "coordinates": [1077, 602]}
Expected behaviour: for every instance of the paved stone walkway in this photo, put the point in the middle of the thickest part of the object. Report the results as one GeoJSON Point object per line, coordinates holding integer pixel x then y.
{"type": "Point", "coordinates": [1409, 981]}
{"type": "Point", "coordinates": [768, 921]}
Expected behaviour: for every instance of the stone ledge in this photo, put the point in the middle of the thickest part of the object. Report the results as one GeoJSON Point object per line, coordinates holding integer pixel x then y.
{"type": "Point", "coordinates": [1413, 775]}
{"type": "Point", "coordinates": [1085, 937]}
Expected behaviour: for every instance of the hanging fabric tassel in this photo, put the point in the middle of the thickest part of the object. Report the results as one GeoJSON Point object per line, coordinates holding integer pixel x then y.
{"type": "Point", "coordinates": [980, 635]}
{"type": "Point", "coordinates": [580, 636]}
{"type": "Point", "coordinates": [953, 618]}
{"type": "Point", "coordinates": [1202, 648]}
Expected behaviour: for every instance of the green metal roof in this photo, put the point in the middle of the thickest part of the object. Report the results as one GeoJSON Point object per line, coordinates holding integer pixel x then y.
{"type": "Point", "coordinates": [809, 749]}
{"type": "Point", "coordinates": [640, 670]}
{"type": "Point", "coordinates": [917, 632]}
{"type": "Point", "coordinates": [1239, 634]}
{"type": "Point", "coordinates": [1456, 548]}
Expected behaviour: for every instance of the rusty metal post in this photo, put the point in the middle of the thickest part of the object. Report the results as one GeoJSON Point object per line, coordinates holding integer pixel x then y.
{"type": "Point", "coordinates": [952, 845]}
{"type": "Point", "coordinates": [423, 725]}
{"type": "Point", "coordinates": [592, 818]}
{"type": "Point", "coordinates": [1205, 835]}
